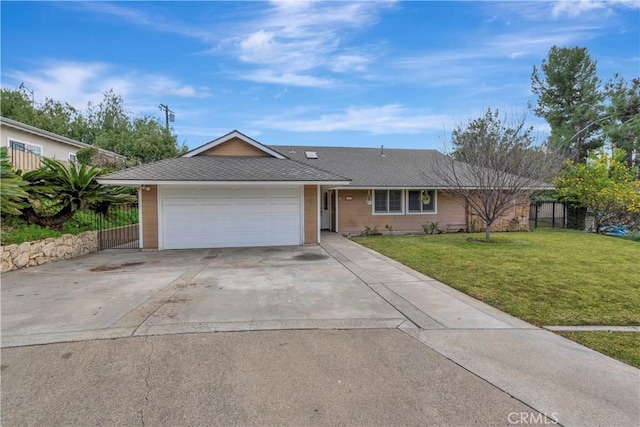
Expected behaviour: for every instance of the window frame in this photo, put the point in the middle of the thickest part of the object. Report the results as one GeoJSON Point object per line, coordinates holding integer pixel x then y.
{"type": "Point", "coordinates": [11, 141]}
{"type": "Point", "coordinates": [423, 212]}
{"type": "Point", "coordinates": [387, 190]}
{"type": "Point", "coordinates": [73, 158]}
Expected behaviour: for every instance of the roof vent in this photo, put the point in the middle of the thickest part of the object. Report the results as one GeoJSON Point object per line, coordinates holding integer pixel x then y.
{"type": "Point", "coordinates": [311, 154]}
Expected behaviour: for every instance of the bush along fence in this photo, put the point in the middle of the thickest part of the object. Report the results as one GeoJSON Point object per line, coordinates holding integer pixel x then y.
{"type": "Point", "coordinates": [115, 229]}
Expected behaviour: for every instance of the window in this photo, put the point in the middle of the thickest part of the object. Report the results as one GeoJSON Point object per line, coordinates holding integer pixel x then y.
{"type": "Point", "coordinates": [387, 201]}
{"type": "Point", "coordinates": [311, 154]}
{"type": "Point", "coordinates": [26, 147]}
{"type": "Point", "coordinates": [73, 158]}
{"type": "Point", "coordinates": [421, 201]}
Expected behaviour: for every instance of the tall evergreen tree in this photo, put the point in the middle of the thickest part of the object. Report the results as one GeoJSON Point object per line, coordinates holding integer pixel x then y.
{"type": "Point", "coordinates": [621, 125]}
{"type": "Point", "coordinates": [570, 100]}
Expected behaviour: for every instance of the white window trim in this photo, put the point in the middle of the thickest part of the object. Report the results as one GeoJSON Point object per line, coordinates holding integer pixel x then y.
{"type": "Point", "coordinates": [75, 158]}
{"type": "Point", "coordinates": [9, 140]}
{"type": "Point", "coordinates": [435, 202]}
{"type": "Point", "coordinates": [402, 201]}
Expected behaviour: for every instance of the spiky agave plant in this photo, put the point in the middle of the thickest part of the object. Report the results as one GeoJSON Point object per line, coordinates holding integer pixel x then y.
{"type": "Point", "coordinates": [57, 191]}
{"type": "Point", "coordinates": [12, 194]}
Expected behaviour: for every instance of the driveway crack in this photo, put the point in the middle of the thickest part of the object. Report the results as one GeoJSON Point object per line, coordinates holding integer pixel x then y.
{"type": "Point", "coordinates": [149, 363]}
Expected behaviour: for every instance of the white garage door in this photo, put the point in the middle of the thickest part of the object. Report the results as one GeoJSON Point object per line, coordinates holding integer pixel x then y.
{"type": "Point", "coordinates": [224, 217]}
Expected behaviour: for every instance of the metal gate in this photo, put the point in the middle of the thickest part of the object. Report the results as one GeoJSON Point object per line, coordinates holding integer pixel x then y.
{"type": "Point", "coordinates": [118, 228]}
{"type": "Point", "coordinates": [548, 214]}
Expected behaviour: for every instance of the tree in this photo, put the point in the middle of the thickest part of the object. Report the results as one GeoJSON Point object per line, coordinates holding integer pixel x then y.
{"type": "Point", "coordinates": [108, 125]}
{"type": "Point", "coordinates": [56, 191]}
{"type": "Point", "coordinates": [11, 187]}
{"type": "Point", "coordinates": [570, 100]}
{"type": "Point", "coordinates": [621, 126]}
{"type": "Point", "coordinates": [142, 139]}
{"type": "Point", "coordinates": [606, 185]}
{"type": "Point", "coordinates": [61, 118]}
{"type": "Point", "coordinates": [497, 165]}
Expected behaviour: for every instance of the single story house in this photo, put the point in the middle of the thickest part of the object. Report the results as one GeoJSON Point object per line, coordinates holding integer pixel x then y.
{"type": "Point", "coordinates": [237, 192]}
{"type": "Point", "coordinates": [26, 145]}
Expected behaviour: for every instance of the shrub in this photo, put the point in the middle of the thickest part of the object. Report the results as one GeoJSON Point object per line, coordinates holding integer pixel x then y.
{"type": "Point", "coordinates": [370, 231]}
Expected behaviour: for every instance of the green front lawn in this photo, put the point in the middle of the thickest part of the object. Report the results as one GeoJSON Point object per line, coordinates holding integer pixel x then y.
{"type": "Point", "coordinates": [623, 346]}
{"type": "Point", "coordinates": [550, 277]}
{"type": "Point", "coordinates": [546, 277]}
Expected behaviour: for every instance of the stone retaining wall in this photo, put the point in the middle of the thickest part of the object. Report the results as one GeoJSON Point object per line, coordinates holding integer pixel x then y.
{"type": "Point", "coordinates": [28, 254]}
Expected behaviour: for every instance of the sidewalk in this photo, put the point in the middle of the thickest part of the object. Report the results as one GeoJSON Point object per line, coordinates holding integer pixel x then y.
{"type": "Point", "coordinates": [557, 377]}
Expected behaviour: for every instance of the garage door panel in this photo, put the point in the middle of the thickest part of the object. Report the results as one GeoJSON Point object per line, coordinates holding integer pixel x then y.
{"type": "Point", "coordinates": [249, 193]}
{"type": "Point", "coordinates": [226, 217]}
{"type": "Point", "coordinates": [292, 193]}
{"type": "Point", "coordinates": [207, 193]}
{"type": "Point", "coordinates": [178, 194]}
{"type": "Point", "coordinates": [218, 210]}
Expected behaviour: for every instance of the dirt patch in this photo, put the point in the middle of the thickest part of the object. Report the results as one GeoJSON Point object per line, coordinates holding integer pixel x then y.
{"type": "Point", "coordinates": [310, 257]}
{"type": "Point", "coordinates": [115, 267]}
{"type": "Point", "coordinates": [131, 264]}
{"type": "Point", "coordinates": [180, 300]}
{"type": "Point", "coordinates": [106, 268]}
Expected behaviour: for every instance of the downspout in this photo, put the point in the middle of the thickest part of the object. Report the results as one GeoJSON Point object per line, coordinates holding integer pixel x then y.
{"type": "Point", "coordinates": [336, 209]}
{"type": "Point", "coordinates": [319, 211]}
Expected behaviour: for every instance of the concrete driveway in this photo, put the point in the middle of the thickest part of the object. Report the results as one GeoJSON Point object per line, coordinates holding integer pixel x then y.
{"type": "Point", "coordinates": [122, 293]}
{"type": "Point", "coordinates": [396, 328]}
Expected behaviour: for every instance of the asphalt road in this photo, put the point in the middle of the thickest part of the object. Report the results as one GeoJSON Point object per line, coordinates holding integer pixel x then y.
{"type": "Point", "coordinates": [355, 377]}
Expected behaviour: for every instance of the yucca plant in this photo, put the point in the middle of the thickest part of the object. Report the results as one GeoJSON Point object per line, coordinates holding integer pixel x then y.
{"type": "Point", "coordinates": [12, 194]}
{"type": "Point", "coordinates": [57, 191]}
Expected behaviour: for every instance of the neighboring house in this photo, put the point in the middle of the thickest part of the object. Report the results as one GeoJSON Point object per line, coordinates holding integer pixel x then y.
{"type": "Point", "coordinates": [26, 145]}
{"type": "Point", "coordinates": [236, 192]}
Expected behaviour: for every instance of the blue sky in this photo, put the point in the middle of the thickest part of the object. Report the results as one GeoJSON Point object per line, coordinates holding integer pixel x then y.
{"type": "Point", "coordinates": [402, 74]}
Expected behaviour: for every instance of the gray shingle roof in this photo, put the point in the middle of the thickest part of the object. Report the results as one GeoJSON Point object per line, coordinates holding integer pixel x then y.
{"type": "Point", "coordinates": [368, 167]}
{"type": "Point", "coordinates": [220, 168]}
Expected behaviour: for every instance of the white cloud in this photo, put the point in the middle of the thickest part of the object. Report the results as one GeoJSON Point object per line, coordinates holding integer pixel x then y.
{"type": "Point", "coordinates": [287, 79]}
{"type": "Point", "coordinates": [386, 119]}
{"type": "Point", "coordinates": [79, 83]}
{"type": "Point", "coordinates": [577, 8]}
{"type": "Point", "coordinates": [350, 62]}
{"type": "Point", "coordinates": [294, 38]}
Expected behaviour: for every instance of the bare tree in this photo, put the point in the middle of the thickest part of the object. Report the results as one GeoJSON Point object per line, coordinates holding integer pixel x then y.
{"type": "Point", "coordinates": [495, 164]}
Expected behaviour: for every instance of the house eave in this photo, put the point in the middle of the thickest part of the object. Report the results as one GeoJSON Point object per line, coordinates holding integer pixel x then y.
{"type": "Point", "coordinates": [138, 183]}
{"type": "Point", "coordinates": [435, 187]}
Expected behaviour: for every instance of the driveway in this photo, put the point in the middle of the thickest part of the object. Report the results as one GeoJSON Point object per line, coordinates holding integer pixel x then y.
{"type": "Point", "coordinates": [121, 293]}
{"type": "Point", "coordinates": [384, 324]}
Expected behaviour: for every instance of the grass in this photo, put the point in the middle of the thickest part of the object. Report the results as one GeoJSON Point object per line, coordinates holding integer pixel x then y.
{"type": "Point", "coordinates": [15, 231]}
{"type": "Point", "coordinates": [624, 346]}
{"type": "Point", "coordinates": [546, 277]}
{"type": "Point", "coordinates": [551, 277]}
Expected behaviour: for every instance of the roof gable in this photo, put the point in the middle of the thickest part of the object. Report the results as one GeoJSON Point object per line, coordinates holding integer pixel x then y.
{"type": "Point", "coordinates": [234, 144]}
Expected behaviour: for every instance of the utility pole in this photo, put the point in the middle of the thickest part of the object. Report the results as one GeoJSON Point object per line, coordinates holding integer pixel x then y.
{"type": "Point", "coordinates": [169, 116]}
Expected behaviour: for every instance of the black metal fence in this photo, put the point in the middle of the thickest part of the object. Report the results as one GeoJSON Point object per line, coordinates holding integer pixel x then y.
{"type": "Point", "coordinates": [118, 228]}
{"type": "Point", "coordinates": [548, 214]}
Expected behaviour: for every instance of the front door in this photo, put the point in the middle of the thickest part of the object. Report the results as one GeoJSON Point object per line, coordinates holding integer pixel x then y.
{"type": "Point", "coordinates": [325, 212]}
